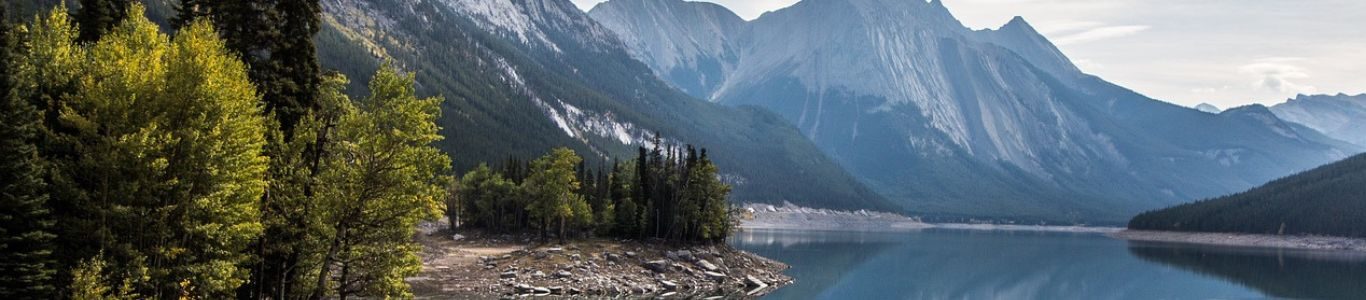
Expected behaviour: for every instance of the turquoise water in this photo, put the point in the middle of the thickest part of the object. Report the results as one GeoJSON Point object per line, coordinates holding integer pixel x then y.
{"type": "Point", "coordinates": [965, 264]}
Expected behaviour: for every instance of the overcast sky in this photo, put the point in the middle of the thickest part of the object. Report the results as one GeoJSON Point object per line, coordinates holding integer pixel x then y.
{"type": "Point", "coordinates": [1224, 52]}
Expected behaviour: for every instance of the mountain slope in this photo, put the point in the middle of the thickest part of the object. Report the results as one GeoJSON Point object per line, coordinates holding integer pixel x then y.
{"type": "Point", "coordinates": [956, 123]}
{"type": "Point", "coordinates": [1329, 200]}
{"type": "Point", "coordinates": [704, 53]}
{"type": "Point", "coordinates": [522, 76]}
{"type": "Point", "coordinates": [1339, 116]}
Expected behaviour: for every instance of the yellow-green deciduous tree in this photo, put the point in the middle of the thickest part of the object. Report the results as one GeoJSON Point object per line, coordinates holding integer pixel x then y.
{"type": "Point", "coordinates": [381, 177]}
{"type": "Point", "coordinates": [551, 189]}
{"type": "Point", "coordinates": [160, 163]}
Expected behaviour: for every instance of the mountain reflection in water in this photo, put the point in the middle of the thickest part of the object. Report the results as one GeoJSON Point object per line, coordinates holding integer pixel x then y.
{"type": "Point", "coordinates": [966, 264]}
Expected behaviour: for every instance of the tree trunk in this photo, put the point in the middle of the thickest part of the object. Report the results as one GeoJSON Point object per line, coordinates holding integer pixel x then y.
{"type": "Point", "coordinates": [561, 230]}
{"type": "Point", "coordinates": [321, 288]}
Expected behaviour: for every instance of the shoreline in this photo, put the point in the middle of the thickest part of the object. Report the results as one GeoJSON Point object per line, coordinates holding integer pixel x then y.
{"type": "Point", "coordinates": [792, 217]}
{"type": "Point", "coordinates": [1318, 243]}
{"type": "Point", "coordinates": [479, 265]}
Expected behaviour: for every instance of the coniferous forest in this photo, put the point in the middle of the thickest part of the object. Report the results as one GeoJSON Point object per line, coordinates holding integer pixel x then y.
{"type": "Point", "coordinates": [1329, 200]}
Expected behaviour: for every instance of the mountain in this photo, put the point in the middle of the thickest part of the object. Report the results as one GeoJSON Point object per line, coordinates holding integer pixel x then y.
{"type": "Point", "coordinates": [955, 123]}
{"type": "Point", "coordinates": [1329, 200]}
{"type": "Point", "coordinates": [696, 66]}
{"type": "Point", "coordinates": [520, 77]}
{"type": "Point", "coordinates": [1339, 116]}
{"type": "Point", "coordinates": [1209, 108]}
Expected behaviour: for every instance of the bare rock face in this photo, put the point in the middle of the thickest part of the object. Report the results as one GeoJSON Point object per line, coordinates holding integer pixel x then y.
{"type": "Point", "coordinates": [941, 118]}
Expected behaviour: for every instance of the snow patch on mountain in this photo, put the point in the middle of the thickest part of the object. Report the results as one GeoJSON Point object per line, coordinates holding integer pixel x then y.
{"type": "Point", "coordinates": [502, 16]}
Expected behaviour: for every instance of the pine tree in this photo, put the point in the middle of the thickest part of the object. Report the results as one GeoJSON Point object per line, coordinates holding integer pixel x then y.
{"type": "Point", "coordinates": [627, 213]}
{"type": "Point", "coordinates": [97, 17]}
{"type": "Point", "coordinates": [26, 266]}
{"type": "Point", "coordinates": [276, 39]}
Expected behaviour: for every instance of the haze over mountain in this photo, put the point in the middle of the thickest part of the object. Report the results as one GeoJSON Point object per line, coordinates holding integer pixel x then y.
{"type": "Point", "coordinates": [949, 121]}
{"type": "Point", "coordinates": [1339, 116]}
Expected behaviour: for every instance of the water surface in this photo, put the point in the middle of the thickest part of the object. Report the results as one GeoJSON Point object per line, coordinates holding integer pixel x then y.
{"type": "Point", "coordinates": [973, 264]}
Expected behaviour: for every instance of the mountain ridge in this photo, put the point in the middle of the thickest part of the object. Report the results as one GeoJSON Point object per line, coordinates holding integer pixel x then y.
{"type": "Point", "coordinates": [998, 123]}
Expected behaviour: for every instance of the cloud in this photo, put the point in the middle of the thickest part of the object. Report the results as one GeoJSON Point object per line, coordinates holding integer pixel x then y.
{"type": "Point", "coordinates": [1278, 74]}
{"type": "Point", "coordinates": [1100, 33]}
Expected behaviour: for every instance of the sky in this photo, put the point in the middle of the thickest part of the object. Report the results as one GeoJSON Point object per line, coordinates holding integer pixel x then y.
{"type": "Point", "coordinates": [1223, 52]}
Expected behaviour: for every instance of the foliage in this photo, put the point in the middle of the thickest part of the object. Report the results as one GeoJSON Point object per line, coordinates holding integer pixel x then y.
{"type": "Point", "coordinates": [26, 266]}
{"type": "Point", "coordinates": [1329, 200]}
{"type": "Point", "coordinates": [382, 177]}
{"type": "Point", "coordinates": [156, 147]}
{"type": "Point", "coordinates": [275, 38]}
{"type": "Point", "coordinates": [681, 197]}
{"type": "Point", "coordinates": [551, 190]}
{"type": "Point", "coordinates": [90, 282]}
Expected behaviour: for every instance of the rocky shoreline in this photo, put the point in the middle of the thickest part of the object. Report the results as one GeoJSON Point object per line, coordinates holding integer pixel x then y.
{"type": "Point", "coordinates": [1246, 240]}
{"type": "Point", "coordinates": [789, 216]}
{"type": "Point", "coordinates": [481, 266]}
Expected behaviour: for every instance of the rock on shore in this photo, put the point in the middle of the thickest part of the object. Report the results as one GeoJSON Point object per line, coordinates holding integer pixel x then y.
{"type": "Point", "coordinates": [501, 265]}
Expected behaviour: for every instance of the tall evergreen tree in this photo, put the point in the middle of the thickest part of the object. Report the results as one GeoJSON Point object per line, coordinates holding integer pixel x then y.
{"type": "Point", "coordinates": [97, 17]}
{"type": "Point", "coordinates": [274, 37]}
{"type": "Point", "coordinates": [627, 214]}
{"type": "Point", "coordinates": [26, 266]}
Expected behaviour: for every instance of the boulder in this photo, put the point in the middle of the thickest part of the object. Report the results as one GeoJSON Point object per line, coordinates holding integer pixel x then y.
{"type": "Point", "coordinates": [714, 275]}
{"type": "Point", "coordinates": [659, 266]}
{"type": "Point", "coordinates": [563, 274]}
{"type": "Point", "coordinates": [750, 281]}
{"type": "Point", "coordinates": [508, 275]}
{"type": "Point", "coordinates": [668, 285]}
{"type": "Point", "coordinates": [540, 290]}
{"type": "Point", "coordinates": [538, 274]}
{"type": "Point", "coordinates": [706, 265]}
{"type": "Point", "coordinates": [557, 290]}
{"type": "Point", "coordinates": [631, 254]}
{"type": "Point", "coordinates": [523, 288]}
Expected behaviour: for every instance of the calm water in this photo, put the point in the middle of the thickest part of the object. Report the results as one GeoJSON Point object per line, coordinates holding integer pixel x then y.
{"type": "Point", "coordinates": [962, 264]}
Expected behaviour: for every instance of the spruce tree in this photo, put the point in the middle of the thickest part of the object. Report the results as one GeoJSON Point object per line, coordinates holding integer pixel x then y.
{"type": "Point", "coordinates": [97, 17]}
{"type": "Point", "coordinates": [26, 266]}
{"type": "Point", "coordinates": [276, 39]}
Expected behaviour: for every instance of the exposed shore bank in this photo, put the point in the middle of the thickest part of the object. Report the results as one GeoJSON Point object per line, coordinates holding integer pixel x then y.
{"type": "Point", "coordinates": [792, 217]}
{"type": "Point", "coordinates": [1246, 240]}
{"type": "Point", "coordinates": [489, 266]}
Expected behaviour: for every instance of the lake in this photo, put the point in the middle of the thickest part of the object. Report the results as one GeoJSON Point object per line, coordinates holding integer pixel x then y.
{"type": "Point", "coordinates": [976, 264]}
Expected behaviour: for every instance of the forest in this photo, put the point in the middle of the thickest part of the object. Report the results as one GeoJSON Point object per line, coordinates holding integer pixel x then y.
{"type": "Point", "coordinates": [666, 193]}
{"type": "Point", "coordinates": [1326, 201]}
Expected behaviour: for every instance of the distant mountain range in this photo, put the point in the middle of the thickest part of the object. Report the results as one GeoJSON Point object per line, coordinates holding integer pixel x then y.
{"type": "Point", "coordinates": [956, 123]}
{"type": "Point", "coordinates": [1339, 116]}
{"type": "Point", "coordinates": [1329, 200]}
